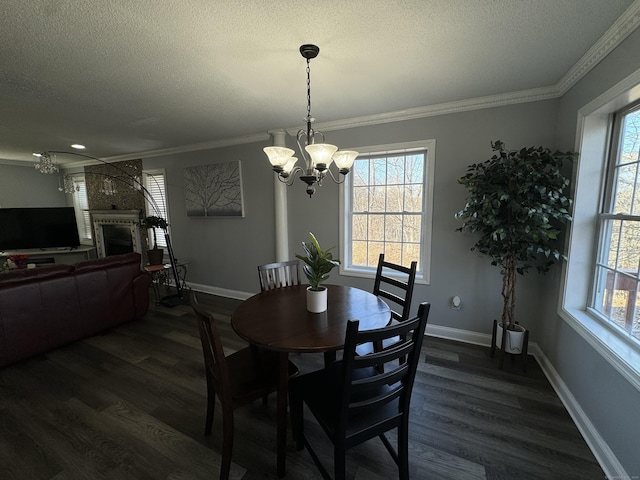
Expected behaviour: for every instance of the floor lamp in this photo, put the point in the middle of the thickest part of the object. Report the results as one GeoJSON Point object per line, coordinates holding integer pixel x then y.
{"type": "Point", "coordinates": [170, 300]}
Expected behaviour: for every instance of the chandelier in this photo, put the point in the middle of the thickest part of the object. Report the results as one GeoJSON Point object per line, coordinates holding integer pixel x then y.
{"type": "Point", "coordinates": [45, 163]}
{"type": "Point", "coordinates": [317, 156]}
{"type": "Point", "coordinates": [108, 187]}
{"type": "Point", "coordinates": [67, 184]}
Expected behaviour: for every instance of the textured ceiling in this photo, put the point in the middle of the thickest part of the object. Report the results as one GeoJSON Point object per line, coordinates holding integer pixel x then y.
{"type": "Point", "coordinates": [125, 77]}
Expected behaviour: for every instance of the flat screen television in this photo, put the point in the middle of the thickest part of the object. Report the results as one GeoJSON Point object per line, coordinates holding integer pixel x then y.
{"type": "Point", "coordinates": [49, 227]}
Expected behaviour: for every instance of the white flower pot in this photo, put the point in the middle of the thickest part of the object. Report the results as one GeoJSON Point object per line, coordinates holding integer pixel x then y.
{"type": "Point", "coordinates": [514, 340]}
{"type": "Point", "coordinates": [317, 300]}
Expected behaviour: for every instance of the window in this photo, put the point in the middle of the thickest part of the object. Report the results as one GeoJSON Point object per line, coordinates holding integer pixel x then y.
{"type": "Point", "coordinates": [387, 208]}
{"type": "Point", "coordinates": [154, 182]}
{"type": "Point", "coordinates": [594, 242]}
{"type": "Point", "coordinates": [81, 205]}
{"type": "Point", "coordinates": [615, 292]}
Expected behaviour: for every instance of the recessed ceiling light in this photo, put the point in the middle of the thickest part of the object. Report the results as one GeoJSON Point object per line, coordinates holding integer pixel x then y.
{"type": "Point", "coordinates": [37, 154]}
{"type": "Point", "coordinates": [77, 146]}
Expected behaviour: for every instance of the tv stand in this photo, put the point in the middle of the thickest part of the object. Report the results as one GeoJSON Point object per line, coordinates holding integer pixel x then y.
{"type": "Point", "coordinates": [51, 256]}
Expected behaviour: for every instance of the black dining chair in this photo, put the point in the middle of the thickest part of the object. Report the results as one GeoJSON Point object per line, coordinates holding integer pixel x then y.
{"type": "Point", "coordinates": [353, 402]}
{"type": "Point", "coordinates": [280, 274]}
{"type": "Point", "coordinates": [237, 380]}
{"type": "Point", "coordinates": [394, 284]}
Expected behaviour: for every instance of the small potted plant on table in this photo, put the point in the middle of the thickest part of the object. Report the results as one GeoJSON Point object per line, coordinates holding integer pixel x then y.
{"type": "Point", "coordinates": [152, 222]}
{"type": "Point", "coordinates": [318, 264]}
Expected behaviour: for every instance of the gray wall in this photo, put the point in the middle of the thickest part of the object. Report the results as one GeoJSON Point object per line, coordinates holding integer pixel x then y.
{"type": "Point", "coordinates": [26, 187]}
{"type": "Point", "coordinates": [224, 251]}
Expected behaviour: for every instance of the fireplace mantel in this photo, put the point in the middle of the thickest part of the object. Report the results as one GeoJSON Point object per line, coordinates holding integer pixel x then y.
{"type": "Point", "coordinates": [127, 218]}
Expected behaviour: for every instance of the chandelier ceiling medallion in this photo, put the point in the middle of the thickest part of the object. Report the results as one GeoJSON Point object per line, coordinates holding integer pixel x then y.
{"type": "Point", "coordinates": [317, 156]}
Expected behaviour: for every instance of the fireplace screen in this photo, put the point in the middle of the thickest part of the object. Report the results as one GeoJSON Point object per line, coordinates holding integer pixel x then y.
{"type": "Point", "coordinates": [117, 231]}
{"type": "Point", "coordinates": [117, 239]}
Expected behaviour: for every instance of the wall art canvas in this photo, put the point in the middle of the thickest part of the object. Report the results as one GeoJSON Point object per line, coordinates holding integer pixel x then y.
{"type": "Point", "coordinates": [214, 190]}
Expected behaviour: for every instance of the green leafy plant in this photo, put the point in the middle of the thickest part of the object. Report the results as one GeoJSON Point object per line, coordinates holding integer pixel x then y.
{"type": "Point", "coordinates": [517, 204]}
{"type": "Point", "coordinates": [154, 222]}
{"type": "Point", "coordinates": [318, 263]}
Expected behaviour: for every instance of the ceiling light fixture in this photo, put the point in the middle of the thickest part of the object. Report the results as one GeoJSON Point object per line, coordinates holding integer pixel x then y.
{"type": "Point", "coordinates": [77, 146]}
{"type": "Point", "coordinates": [318, 156]}
{"type": "Point", "coordinates": [45, 163]}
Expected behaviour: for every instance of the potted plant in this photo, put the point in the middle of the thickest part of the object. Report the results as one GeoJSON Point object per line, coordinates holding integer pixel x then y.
{"type": "Point", "coordinates": [152, 222]}
{"type": "Point", "coordinates": [516, 205]}
{"type": "Point", "coordinates": [318, 265]}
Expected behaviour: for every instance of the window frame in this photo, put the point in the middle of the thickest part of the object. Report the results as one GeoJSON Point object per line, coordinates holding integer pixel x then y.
{"type": "Point", "coordinates": [606, 225]}
{"type": "Point", "coordinates": [429, 147]}
{"type": "Point", "coordinates": [593, 133]}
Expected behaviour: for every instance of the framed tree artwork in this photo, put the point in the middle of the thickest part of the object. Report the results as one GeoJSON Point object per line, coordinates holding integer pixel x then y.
{"type": "Point", "coordinates": [214, 190]}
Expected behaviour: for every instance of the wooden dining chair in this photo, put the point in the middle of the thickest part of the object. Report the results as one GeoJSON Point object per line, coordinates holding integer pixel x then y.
{"type": "Point", "coordinates": [280, 274]}
{"type": "Point", "coordinates": [285, 274]}
{"type": "Point", "coordinates": [353, 402]}
{"type": "Point", "coordinates": [237, 380]}
{"type": "Point", "coordinates": [394, 284]}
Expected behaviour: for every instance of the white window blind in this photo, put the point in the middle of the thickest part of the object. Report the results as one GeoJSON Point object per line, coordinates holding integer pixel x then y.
{"type": "Point", "coordinates": [157, 204]}
{"type": "Point", "coordinates": [81, 205]}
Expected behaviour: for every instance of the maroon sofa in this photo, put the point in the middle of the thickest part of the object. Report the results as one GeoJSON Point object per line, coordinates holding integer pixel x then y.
{"type": "Point", "coordinates": [44, 308]}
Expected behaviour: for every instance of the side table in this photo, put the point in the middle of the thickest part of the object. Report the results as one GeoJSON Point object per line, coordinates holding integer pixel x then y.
{"type": "Point", "coordinates": [161, 275]}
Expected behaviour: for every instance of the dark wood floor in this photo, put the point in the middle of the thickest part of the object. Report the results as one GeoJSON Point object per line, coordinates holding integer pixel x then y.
{"type": "Point", "coordinates": [130, 404]}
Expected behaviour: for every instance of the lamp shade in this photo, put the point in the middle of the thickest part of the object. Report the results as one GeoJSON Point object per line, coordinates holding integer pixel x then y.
{"type": "Point", "coordinates": [287, 167]}
{"type": "Point", "coordinates": [278, 156]}
{"type": "Point", "coordinates": [321, 154]}
{"type": "Point", "coordinates": [344, 158]}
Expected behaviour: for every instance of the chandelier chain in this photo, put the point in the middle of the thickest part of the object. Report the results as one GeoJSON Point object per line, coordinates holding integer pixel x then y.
{"type": "Point", "coordinates": [308, 91]}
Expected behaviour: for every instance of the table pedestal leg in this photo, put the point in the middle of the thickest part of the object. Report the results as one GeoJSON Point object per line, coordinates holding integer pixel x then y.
{"type": "Point", "coordinates": [283, 387]}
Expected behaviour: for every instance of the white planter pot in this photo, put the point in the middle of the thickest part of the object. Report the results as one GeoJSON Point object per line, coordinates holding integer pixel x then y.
{"type": "Point", "coordinates": [317, 300]}
{"type": "Point", "coordinates": [514, 340]}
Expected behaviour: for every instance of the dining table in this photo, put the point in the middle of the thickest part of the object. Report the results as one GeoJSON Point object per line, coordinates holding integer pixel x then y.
{"type": "Point", "coordinates": [278, 320]}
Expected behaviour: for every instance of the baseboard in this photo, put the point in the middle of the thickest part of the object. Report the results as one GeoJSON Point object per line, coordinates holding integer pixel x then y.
{"type": "Point", "coordinates": [466, 336]}
{"type": "Point", "coordinates": [222, 292]}
{"type": "Point", "coordinates": [605, 457]}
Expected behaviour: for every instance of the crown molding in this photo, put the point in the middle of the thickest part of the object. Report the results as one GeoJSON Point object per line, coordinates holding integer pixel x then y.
{"type": "Point", "coordinates": [479, 103]}
{"type": "Point", "coordinates": [17, 163]}
{"type": "Point", "coordinates": [226, 142]}
{"type": "Point", "coordinates": [614, 36]}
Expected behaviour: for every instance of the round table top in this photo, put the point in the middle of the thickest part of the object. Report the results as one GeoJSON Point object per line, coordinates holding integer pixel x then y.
{"type": "Point", "coordinates": [278, 319]}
